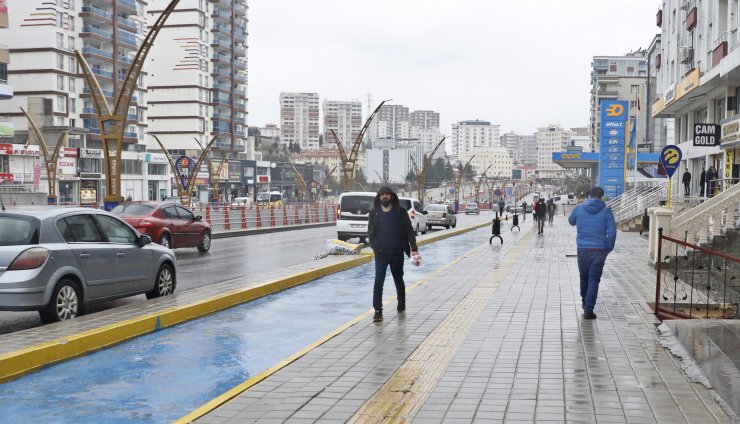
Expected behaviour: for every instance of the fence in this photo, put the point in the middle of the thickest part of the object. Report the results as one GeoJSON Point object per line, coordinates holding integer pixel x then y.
{"type": "Point", "coordinates": [695, 282]}
{"type": "Point", "coordinates": [229, 218]}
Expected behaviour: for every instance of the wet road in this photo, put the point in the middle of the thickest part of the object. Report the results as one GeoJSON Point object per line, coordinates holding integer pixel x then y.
{"type": "Point", "coordinates": [228, 258]}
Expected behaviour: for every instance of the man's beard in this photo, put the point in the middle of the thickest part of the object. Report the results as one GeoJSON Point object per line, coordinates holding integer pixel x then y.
{"type": "Point", "coordinates": [385, 203]}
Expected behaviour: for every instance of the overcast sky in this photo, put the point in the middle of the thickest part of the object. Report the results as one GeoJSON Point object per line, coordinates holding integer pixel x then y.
{"type": "Point", "coordinates": [521, 64]}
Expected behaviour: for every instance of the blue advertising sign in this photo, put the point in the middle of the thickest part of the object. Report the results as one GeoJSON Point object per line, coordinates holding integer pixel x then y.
{"type": "Point", "coordinates": [670, 157]}
{"type": "Point", "coordinates": [614, 115]}
{"type": "Point", "coordinates": [185, 167]}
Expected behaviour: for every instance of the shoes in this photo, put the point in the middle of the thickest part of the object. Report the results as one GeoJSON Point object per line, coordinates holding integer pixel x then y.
{"type": "Point", "coordinates": [378, 316]}
{"type": "Point", "coordinates": [401, 306]}
{"type": "Point", "coordinates": [589, 315]}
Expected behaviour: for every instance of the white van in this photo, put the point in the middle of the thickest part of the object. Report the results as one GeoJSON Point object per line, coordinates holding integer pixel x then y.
{"type": "Point", "coordinates": [353, 211]}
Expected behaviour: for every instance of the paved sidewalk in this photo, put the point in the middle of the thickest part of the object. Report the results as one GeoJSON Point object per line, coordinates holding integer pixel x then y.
{"type": "Point", "coordinates": [496, 337]}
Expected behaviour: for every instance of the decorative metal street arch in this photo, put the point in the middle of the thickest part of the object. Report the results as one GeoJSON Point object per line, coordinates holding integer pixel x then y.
{"type": "Point", "coordinates": [113, 124]}
{"type": "Point", "coordinates": [51, 161]}
{"type": "Point", "coordinates": [348, 162]}
{"type": "Point", "coordinates": [214, 174]}
{"type": "Point", "coordinates": [476, 184]}
{"type": "Point", "coordinates": [421, 176]}
{"type": "Point", "coordinates": [458, 180]}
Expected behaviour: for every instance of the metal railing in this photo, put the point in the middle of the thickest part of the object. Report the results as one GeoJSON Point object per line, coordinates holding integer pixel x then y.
{"type": "Point", "coordinates": [633, 202]}
{"type": "Point", "coordinates": [695, 282]}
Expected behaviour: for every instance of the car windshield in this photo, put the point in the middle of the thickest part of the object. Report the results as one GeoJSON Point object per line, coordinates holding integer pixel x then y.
{"type": "Point", "coordinates": [16, 230]}
{"type": "Point", "coordinates": [263, 197]}
{"type": "Point", "coordinates": [360, 205]}
{"type": "Point", "coordinates": [436, 208]}
{"type": "Point", "coordinates": [405, 203]}
{"type": "Point", "coordinates": [133, 209]}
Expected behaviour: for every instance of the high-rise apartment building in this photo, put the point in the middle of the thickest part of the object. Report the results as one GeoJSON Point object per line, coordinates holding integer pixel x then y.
{"type": "Point", "coordinates": [198, 75]}
{"type": "Point", "coordinates": [618, 78]}
{"type": "Point", "coordinates": [392, 121]}
{"type": "Point", "coordinates": [299, 120]}
{"type": "Point", "coordinates": [550, 139]}
{"type": "Point", "coordinates": [424, 119]}
{"type": "Point", "coordinates": [580, 139]}
{"type": "Point", "coordinates": [467, 135]}
{"type": "Point", "coordinates": [6, 90]}
{"type": "Point", "coordinates": [43, 63]}
{"type": "Point", "coordinates": [345, 118]}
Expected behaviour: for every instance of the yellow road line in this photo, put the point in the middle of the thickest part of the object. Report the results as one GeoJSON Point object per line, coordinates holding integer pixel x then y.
{"type": "Point", "coordinates": [23, 361]}
{"type": "Point", "coordinates": [408, 388]}
{"type": "Point", "coordinates": [220, 400]}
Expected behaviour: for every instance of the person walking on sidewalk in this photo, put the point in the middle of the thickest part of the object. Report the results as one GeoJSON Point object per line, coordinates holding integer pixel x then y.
{"type": "Point", "coordinates": [391, 235]}
{"type": "Point", "coordinates": [540, 211]}
{"type": "Point", "coordinates": [686, 182]}
{"type": "Point", "coordinates": [551, 208]}
{"type": "Point", "coordinates": [501, 205]}
{"type": "Point", "coordinates": [524, 211]}
{"type": "Point", "coordinates": [702, 182]}
{"type": "Point", "coordinates": [596, 235]}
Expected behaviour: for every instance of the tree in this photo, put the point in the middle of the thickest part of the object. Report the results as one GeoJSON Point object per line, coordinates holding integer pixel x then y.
{"type": "Point", "coordinates": [411, 177]}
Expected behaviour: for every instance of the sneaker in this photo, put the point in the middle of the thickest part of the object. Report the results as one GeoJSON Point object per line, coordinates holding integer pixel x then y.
{"type": "Point", "coordinates": [401, 306]}
{"type": "Point", "coordinates": [378, 316]}
{"type": "Point", "coordinates": [589, 315]}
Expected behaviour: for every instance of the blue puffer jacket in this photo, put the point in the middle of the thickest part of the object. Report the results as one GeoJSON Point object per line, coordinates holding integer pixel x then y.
{"type": "Point", "coordinates": [595, 225]}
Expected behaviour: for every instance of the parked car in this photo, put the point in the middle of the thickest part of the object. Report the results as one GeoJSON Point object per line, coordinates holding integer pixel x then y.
{"type": "Point", "coordinates": [353, 214]}
{"type": "Point", "coordinates": [472, 208]}
{"type": "Point", "coordinates": [58, 261]}
{"type": "Point", "coordinates": [242, 201]}
{"type": "Point", "coordinates": [441, 215]}
{"type": "Point", "coordinates": [272, 199]}
{"type": "Point", "coordinates": [169, 224]}
{"type": "Point", "coordinates": [416, 213]}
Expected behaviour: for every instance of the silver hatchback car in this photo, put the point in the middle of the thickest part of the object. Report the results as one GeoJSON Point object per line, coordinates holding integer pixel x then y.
{"type": "Point", "coordinates": [57, 261]}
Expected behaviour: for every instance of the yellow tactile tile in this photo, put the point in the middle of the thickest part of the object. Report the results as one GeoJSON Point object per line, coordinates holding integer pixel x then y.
{"type": "Point", "coordinates": [410, 386]}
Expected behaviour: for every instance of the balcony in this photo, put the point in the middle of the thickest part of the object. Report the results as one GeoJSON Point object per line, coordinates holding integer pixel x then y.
{"type": "Point", "coordinates": [96, 52]}
{"type": "Point", "coordinates": [128, 4]}
{"type": "Point", "coordinates": [691, 19]}
{"type": "Point", "coordinates": [240, 35]}
{"type": "Point", "coordinates": [222, 87]}
{"type": "Point", "coordinates": [91, 30]}
{"type": "Point", "coordinates": [222, 116]}
{"type": "Point", "coordinates": [240, 51]}
{"type": "Point", "coordinates": [221, 57]}
{"type": "Point", "coordinates": [128, 38]}
{"type": "Point", "coordinates": [130, 24]}
{"type": "Point", "coordinates": [97, 12]}
{"type": "Point", "coordinates": [223, 72]}
{"type": "Point", "coordinates": [241, 65]}
{"type": "Point", "coordinates": [108, 94]}
{"type": "Point", "coordinates": [720, 49]}
{"type": "Point", "coordinates": [240, 10]}
{"type": "Point", "coordinates": [217, 27]}
{"type": "Point", "coordinates": [220, 14]}
{"type": "Point", "coordinates": [222, 101]}
{"type": "Point", "coordinates": [89, 111]}
{"type": "Point", "coordinates": [125, 59]}
{"type": "Point", "coordinates": [240, 92]}
{"type": "Point", "coordinates": [659, 18]}
{"type": "Point", "coordinates": [102, 73]}
{"type": "Point", "coordinates": [240, 78]}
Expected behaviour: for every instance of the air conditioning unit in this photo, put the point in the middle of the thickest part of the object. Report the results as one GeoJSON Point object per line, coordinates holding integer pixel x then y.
{"type": "Point", "coordinates": [686, 55]}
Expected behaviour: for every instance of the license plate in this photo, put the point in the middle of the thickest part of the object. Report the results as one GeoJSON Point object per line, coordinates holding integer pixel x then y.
{"type": "Point", "coordinates": [356, 226]}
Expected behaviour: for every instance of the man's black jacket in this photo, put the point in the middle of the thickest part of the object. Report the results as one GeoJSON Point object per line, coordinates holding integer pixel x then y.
{"type": "Point", "coordinates": [407, 231]}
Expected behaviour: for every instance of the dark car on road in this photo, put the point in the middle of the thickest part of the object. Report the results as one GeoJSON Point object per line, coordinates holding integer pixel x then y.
{"type": "Point", "coordinates": [170, 224]}
{"type": "Point", "coordinates": [57, 261]}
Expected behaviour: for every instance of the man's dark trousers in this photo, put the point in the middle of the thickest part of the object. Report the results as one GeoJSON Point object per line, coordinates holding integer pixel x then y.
{"type": "Point", "coordinates": [382, 260]}
{"type": "Point", "coordinates": [590, 266]}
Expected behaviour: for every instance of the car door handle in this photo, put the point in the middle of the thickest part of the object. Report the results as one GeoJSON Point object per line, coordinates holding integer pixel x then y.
{"type": "Point", "coordinates": [120, 254]}
{"type": "Point", "coordinates": [85, 255]}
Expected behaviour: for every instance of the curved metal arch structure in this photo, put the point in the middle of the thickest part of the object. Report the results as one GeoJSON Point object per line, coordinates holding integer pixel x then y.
{"type": "Point", "coordinates": [348, 162]}
{"type": "Point", "coordinates": [51, 161]}
{"type": "Point", "coordinates": [421, 177]}
{"type": "Point", "coordinates": [458, 181]}
{"type": "Point", "coordinates": [171, 160]}
{"type": "Point", "coordinates": [477, 184]}
{"type": "Point", "coordinates": [112, 125]}
{"type": "Point", "coordinates": [215, 180]}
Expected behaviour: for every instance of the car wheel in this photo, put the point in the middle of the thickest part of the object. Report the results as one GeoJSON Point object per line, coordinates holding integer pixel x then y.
{"type": "Point", "coordinates": [454, 225]}
{"type": "Point", "coordinates": [65, 303]}
{"type": "Point", "coordinates": [165, 241]}
{"type": "Point", "coordinates": [429, 227]}
{"type": "Point", "coordinates": [164, 283]}
{"type": "Point", "coordinates": [447, 227]}
{"type": "Point", "coordinates": [362, 240]}
{"type": "Point", "coordinates": [342, 238]}
{"type": "Point", "coordinates": [205, 244]}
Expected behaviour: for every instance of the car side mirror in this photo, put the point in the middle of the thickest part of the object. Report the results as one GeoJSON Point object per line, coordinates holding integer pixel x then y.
{"type": "Point", "coordinates": [144, 240]}
{"type": "Point", "coordinates": [198, 217]}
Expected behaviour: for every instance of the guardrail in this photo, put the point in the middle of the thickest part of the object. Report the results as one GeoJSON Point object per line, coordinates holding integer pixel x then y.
{"type": "Point", "coordinates": [229, 218]}
{"type": "Point", "coordinates": [695, 282]}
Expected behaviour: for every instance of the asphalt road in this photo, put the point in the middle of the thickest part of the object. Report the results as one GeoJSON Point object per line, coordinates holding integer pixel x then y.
{"type": "Point", "coordinates": [228, 258]}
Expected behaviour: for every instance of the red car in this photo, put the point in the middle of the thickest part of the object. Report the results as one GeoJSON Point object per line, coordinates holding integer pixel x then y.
{"type": "Point", "coordinates": [169, 224]}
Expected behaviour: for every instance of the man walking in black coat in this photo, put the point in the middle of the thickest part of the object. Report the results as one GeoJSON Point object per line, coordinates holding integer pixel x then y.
{"type": "Point", "coordinates": [391, 235]}
{"type": "Point", "coordinates": [702, 182]}
{"type": "Point", "coordinates": [686, 182]}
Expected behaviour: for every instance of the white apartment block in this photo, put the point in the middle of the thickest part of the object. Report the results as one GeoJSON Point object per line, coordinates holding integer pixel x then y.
{"type": "Point", "coordinates": [468, 135]}
{"type": "Point", "coordinates": [198, 76]}
{"type": "Point", "coordinates": [698, 69]}
{"type": "Point", "coordinates": [496, 157]}
{"type": "Point", "coordinates": [299, 120]}
{"type": "Point", "coordinates": [550, 139]}
{"type": "Point", "coordinates": [270, 131]}
{"type": "Point", "coordinates": [390, 165]}
{"type": "Point", "coordinates": [345, 118]}
{"type": "Point", "coordinates": [622, 78]}
{"type": "Point", "coordinates": [6, 90]}
{"type": "Point", "coordinates": [580, 138]}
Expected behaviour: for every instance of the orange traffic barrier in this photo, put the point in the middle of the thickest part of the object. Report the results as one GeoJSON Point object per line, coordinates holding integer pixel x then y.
{"type": "Point", "coordinates": [227, 223]}
{"type": "Point", "coordinates": [326, 214]}
{"type": "Point", "coordinates": [272, 217]}
{"type": "Point", "coordinates": [208, 215]}
{"type": "Point", "coordinates": [259, 217]}
{"type": "Point", "coordinates": [244, 217]}
{"type": "Point", "coordinates": [296, 218]}
{"type": "Point", "coordinates": [285, 215]}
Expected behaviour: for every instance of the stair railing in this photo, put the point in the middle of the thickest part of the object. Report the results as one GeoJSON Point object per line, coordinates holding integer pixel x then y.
{"type": "Point", "coordinates": [633, 202]}
{"type": "Point", "coordinates": [704, 220]}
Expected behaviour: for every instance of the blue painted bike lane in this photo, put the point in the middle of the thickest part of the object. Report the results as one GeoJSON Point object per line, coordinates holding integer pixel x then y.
{"type": "Point", "coordinates": [164, 375]}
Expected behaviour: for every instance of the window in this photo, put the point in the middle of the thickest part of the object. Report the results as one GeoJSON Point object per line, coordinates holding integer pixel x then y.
{"type": "Point", "coordinates": [61, 104]}
{"type": "Point", "coordinates": [60, 61]}
{"type": "Point", "coordinates": [71, 22]}
{"type": "Point", "coordinates": [72, 64]}
{"type": "Point", "coordinates": [4, 164]}
{"type": "Point", "coordinates": [60, 18]}
{"type": "Point", "coordinates": [634, 88]}
{"type": "Point", "coordinates": [130, 166]}
{"type": "Point", "coordinates": [185, 214]}
{"type": "Point", "coordinates": [157, 169]}
{"type": "Point", "coordinates": [72, 85]}
{"type": "Point", "coordinates": [60, 40]}
{"type": "Point", "coordinates": [170, 212]}
{"type": "Point", "coordinates": [72, 103]}
{"type": "Point", "coordinates": [91, 165]}
{"type": "Point", "coordinates": [60, 82]}
{"type": "Point", "coordinates": [117, 231]}
{"type": "Point", "coordinates": [79, 229]}
{"type": "Point", "coordinates": [70, 43]}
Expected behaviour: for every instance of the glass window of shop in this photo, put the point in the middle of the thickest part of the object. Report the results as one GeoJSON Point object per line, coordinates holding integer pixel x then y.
{"type": "Point", "coordinates": [88, 191]}
{"type": "Point", "coordinates": [157, 169]}
{"type": "Point", "coordinates": [67, 192]}
{"type": "Point", "coordinates": [91, 165]}
{"type": "Point", "coordinates": [4, 164]}
{"type": "Point", "coordinates": [130, 166]}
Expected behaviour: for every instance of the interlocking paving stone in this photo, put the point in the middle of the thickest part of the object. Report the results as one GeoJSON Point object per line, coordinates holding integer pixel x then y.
{"type": "Point", "coordinates": [528, 356]}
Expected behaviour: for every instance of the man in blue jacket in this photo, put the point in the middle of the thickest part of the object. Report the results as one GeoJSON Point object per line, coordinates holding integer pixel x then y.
{"type": "Point", "coordinates": [596, 234]}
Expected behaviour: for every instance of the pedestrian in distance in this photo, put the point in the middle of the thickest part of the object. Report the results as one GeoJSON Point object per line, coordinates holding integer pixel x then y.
{"type": "Point", "coordinates": [501, 205]}
{"type": "Point", "coordinates": [524, 211]}
{"type": "Point", "coordinates": [391, 235]}
{"type": "Point", "coordinates": [686, 179]}
{"type": "Point", "coordinates": [540, 211]}
{"type": "Point", "coordinates": [702, 182]}
{"type": "Point", "coordinates": [596, 234]}
{"type": "Point", "coordinates": [711, 184]}
{"type": "Point", "coordinates": [551, 208]}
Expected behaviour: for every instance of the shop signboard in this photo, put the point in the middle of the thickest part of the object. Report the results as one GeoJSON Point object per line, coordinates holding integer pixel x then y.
{"type": "Point", "coordinates": [612, 142]}
{"type": "Point", "coordinates": [185, 167]}
{"type": "Point", "coordinates": [6, 178]}
{"type": "Point", "coordinates": [706, 135]}
{"type": "Point", "coordinates": [6, 128]}
{"type": "Point", "coordinates": [670, 157]}
{"type": "Point", "coordinates": [91, 153]}
{"type": "Point", "coordinates": [314, 185]}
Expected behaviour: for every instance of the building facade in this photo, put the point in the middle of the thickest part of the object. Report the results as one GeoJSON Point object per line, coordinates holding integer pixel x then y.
{"type": "Point", "coordinates": [469, 135]}
{"type": "Point", "coordinates": [550, 139]}
{"type": "Point", "coordinates": [345, 118]}
{"type": "Point", "coordinates": [6, 90]}
{"type": "Point", "coordinates": [198, 76]}
{"type": "Point", "coordinates": [299, 120]}
{"type": "Point", "coordinates": [698, 66]}
{"type": "Point", "coordinates": [494, 161]}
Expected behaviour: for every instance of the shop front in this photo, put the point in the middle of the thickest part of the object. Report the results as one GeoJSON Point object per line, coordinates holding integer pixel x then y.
{"type": "Point", "coordinates": [729, 170]}
{"type": "Point", "coordinates": [67, 177]}
{"type": "Point", "coordinates": [249, 172]}
{"type": "Point", "coordinates": [157, 176]}
{"type": "Point", "coordinates": [20, 167]}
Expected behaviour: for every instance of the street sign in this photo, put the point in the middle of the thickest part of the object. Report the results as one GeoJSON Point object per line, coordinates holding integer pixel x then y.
{"type": "Point", "coordinates": [670, 157]}
{"type": "Point", "coordinates": [497, 192]}
{"type": "Point", "coordinates": [706, 135]}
